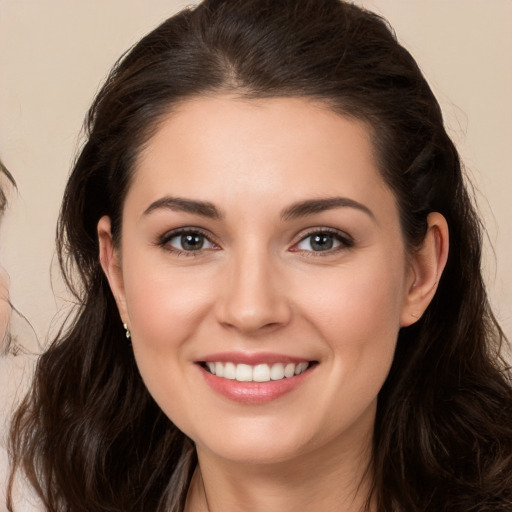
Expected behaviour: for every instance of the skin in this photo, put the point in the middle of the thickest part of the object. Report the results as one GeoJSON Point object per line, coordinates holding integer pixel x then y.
{"type": "Point", "coordinates": [5, 306]}
{"type": "Point", "coordinates": [258, 286]}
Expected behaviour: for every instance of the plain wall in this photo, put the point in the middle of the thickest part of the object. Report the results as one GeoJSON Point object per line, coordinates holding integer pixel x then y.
{"type": "Point", "coordinates": [54, 54]}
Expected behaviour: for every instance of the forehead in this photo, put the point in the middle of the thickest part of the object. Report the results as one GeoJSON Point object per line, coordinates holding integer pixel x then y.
{"type": "Point", "coordinates": [221, 147]}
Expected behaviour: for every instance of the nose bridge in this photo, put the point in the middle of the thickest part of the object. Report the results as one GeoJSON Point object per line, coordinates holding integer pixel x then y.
{"type": "Point", "coordinates": [253, 297]}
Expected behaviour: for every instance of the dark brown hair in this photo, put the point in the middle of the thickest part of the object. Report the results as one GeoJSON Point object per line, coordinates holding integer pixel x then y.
{"type": "Point", "coordinates": [90, 437]}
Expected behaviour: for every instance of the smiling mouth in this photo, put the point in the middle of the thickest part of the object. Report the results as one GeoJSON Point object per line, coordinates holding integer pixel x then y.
{"type": "Point", "coordinates": [256, 373]}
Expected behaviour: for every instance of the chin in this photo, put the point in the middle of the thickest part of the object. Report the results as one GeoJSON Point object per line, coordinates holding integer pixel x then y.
{"type": "Point", "coordinates": [252, 453]}
{"type": "Point", "coordinates": [261, 441]}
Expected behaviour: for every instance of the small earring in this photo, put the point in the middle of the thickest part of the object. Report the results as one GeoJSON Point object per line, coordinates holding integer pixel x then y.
{"type": "Point", "coordinates": [128, 333]}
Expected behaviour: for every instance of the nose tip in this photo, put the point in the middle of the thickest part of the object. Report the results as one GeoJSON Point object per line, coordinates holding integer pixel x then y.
{"type": "Point", "coordinates": [253, 301]}
{"type": "Point", "coordinates": [249, 319]}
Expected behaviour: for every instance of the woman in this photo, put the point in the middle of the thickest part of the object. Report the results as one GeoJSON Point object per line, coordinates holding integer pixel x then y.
{"type": "Point", "coordinates": [5, 306]}
{"type": "Point", "coordinates": [16, 361]}
{"type": "Point", "coordinates": [270, 317]}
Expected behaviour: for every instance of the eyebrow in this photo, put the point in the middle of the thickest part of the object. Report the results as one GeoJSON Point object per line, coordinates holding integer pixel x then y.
{"type": "Point", "coordinates": [313, 206]}
{"type": "Point", "coordinates": [179, 204]}
{"type": "Point", "coordinates": [296, 210]}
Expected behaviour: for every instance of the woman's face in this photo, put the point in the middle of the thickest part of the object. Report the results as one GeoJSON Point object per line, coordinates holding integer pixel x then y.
{"type": "Point", "coordinates": [5, 306]}
{"type": "Point", "coordinates": [260, 242]}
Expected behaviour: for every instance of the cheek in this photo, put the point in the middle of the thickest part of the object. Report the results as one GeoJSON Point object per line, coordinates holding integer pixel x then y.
{"type": "Point", "coordinates": [163, 302]}
{"type": "Point", "coordinates": [356, 311]}
{"type": "Point", "coordinates": [164, 309]}
{"type": "Point", "coordinates": [359, 299]}
{"type": "Point", "coordinates": [164, 315]}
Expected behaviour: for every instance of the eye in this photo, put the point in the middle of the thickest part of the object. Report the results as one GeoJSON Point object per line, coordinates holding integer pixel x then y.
{"type": "Point", "coordinates": [187, 241]}
{"type": "Point", "coordinates": [323, 241]}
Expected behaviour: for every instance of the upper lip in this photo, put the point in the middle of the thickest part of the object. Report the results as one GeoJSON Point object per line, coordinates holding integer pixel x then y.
{"type": "Point", "coordinates": [252, 359]}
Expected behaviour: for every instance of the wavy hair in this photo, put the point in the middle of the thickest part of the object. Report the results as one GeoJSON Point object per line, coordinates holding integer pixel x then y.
{"type": "Point", "coordinates": [90, 437]}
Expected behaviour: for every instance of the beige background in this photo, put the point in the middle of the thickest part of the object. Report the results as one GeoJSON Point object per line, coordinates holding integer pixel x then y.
{"type": "Point", "coordinates": [55, 53]}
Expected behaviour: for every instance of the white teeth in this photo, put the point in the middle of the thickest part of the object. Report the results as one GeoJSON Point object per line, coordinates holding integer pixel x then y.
{"type": "Point", "coordinates": [243, 373]}
{"type": "Point", "coordinates": [277, 371]}
{"type": "Point", "coordinates": [257, 373]}
{"type": "Point", "coordinates": [229, 371]}
{"type": "Point", "coordinates": [300, 368]}
{"type": "Point", "coordinates": [289, 370]}
{"type": "Point", "coordinates": [261, 373]}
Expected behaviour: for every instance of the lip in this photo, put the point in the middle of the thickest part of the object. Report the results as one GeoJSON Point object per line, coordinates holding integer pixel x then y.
{"type": "Point", "coordinates": [251, 359]}
{"type": "Point", "coordinates": [253, 392]}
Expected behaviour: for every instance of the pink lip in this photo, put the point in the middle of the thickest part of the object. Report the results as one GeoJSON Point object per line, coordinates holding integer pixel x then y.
{"type": "Point", "coordinates": [253, 392]}
{"type": "Point", "coordinates": [251, 358]}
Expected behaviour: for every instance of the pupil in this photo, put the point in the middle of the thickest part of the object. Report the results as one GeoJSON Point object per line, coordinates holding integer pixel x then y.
{"type": "Point", "coordinates": [192, 242]}
{"type": "Point", "coordinates": [322, 242]}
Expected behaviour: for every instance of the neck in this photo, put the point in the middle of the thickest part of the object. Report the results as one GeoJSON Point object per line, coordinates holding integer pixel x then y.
{"type": "Point", "coordinates": [328, 480]}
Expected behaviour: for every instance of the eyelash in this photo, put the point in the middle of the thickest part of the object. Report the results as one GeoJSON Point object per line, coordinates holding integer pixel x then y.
{"type": "Point", "coordinates": [164, 240]}
{"type": "Point", "coordinates": [344, 240]}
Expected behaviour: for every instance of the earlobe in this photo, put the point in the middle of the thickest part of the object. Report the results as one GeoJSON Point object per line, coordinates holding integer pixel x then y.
{"type": "Point", "coordinates": [426, 266]}
{"type": "Point", "coordinates": [110, 264]}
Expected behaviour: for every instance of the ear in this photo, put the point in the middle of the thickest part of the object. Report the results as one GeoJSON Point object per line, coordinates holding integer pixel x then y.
{"type": "Point", "coordinates": [110, 262]}
{"type": "Point", "coordinates": [426, 264]}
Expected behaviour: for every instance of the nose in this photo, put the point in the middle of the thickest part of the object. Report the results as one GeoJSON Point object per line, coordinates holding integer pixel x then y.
{"type": "Point", "coordinates": [253, 298]}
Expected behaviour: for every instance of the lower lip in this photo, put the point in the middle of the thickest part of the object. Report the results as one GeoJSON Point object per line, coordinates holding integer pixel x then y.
{"type": "Point", "coordinates": [254, 392]}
